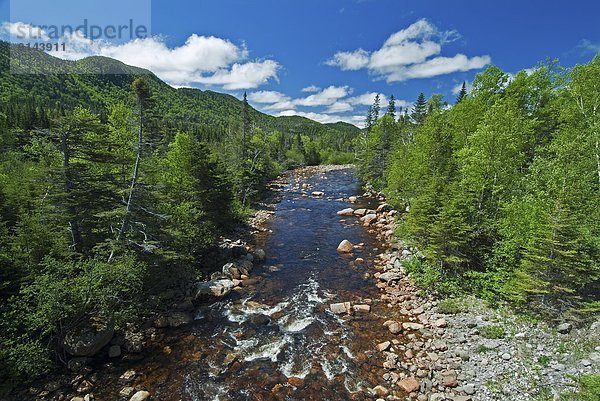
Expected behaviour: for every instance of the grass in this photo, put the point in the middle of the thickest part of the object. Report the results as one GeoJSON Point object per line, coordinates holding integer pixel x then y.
{"type": "Point", "coordinates": [544, 361]}
{"type": "Point", "coordinates": [482, 349]}
{"type": "Point", "coordinates": [492, 331]}
{"type": "Point", "coordinates": [450, 306]}
{"type": "Point", "coordinates": [588, 389]}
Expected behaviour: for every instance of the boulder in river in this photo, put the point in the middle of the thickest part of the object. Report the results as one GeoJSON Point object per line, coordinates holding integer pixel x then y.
{"type": "Point", "coordinates": [140, 396]}
{"type": "Point", "coordinates": [345, 246]}
{"type": "Point", "coordinates": [230, 270]}
{"type": "Point", "coordinates": [352, 199]}
{"type": "Point", "coordinates": [87, 341]}
{"type": "Point", "coordinates": [362, 308]}
{"type": "Point", "coordinates": [214, 288]}
{"type": "Point", "coordinates": [346, 212]}
{"type": "Point", "coordinates": [341, 308]}
{"type": "Point", "coordinates": [318, 194]}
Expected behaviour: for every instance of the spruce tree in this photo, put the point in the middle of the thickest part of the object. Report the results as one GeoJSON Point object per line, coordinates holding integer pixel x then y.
{"type": "Point", "coordinates": [391, 110]}
{"type": "Point", "coordinates": [420, 109]}
{"type": "Point", "coordinates": [462, 94]}
{"type": "Point", "coordinates": [376, 108]}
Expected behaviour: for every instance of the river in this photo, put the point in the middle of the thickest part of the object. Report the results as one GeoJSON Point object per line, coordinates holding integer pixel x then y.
{"type": "Point", "coordinates": [278, 340]}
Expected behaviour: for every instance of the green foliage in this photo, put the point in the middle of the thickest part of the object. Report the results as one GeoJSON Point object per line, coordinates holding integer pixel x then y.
{"type": "Point", "coordinates": [502, 188]}
{"type": "Point", "coordinates": [492, 331]}
{"type": "Point", "coordinates": [450, 306]}
{"type": "Point", "coordinates": [589, 389]}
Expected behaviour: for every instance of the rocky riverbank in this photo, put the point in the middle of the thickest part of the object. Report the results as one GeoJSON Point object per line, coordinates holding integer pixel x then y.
{"type": "Point", "coordinates": [461, 349]}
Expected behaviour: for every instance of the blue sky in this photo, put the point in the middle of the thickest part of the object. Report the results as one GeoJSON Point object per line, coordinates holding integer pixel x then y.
{"type": "Point", "coordinates": [325, 59]}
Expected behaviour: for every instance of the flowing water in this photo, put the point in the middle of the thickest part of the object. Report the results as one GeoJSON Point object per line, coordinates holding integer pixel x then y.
{"type": "Point", "coordinates": [249, 345]}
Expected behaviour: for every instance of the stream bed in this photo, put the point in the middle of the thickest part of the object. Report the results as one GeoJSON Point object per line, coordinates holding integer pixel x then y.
{"type": "Point", "coordinates": [278, 340]}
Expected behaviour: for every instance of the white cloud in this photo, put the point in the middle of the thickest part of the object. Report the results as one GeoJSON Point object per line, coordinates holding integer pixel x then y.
{"type": "Point", "coordinates": [326, 97]}
{"type": "Point", "coordinates": [366, 99]}
{"type": "Point", "coordinates": [311, 88]}
{"type": "Point", "coordinates": [438, 66]}
{"type": "Point", "coordinates": [324, 118]}
{"type": "Point", "coordinates": [407, 54]}
{"type": "Point", "coordinates": [23, 31]}
{"type": "Point", "coordinates": [243, 76]}
{"type": "Point", "coordinates": [340, 107]}
{"type": "Point", "coordinates": [267, 97]}
{"type": "Point", "coordinates": [350, 61]}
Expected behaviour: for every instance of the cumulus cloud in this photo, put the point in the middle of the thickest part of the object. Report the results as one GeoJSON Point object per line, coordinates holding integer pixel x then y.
{"type": "Point", "coordinates": [324, 118]}
{"type": "Point", "coordinates": [413, 52]}
{"type": "Point", "coordinates": [350, 61]}
{"type": "Point", "coordinates": [23, 31]}
{"type": "Point", "coordinates": [311, 88]}
{"type": "Point", "coordinates": [326, 97]}
{"type": "Point", "coordinates": [207, 60]}
{"type": "Point", "coordinates": [438, 66]}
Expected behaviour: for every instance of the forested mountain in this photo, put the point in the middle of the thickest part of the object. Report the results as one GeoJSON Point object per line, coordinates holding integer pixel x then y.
{"type": "Point", "coordinates": [114, 185]}
{"type": "Point", "coordinates": [501, 189]}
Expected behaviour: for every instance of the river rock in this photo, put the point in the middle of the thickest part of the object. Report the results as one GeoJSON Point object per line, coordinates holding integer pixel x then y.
{"type": "Point", "coordinates": [383, 346]}
{"type": "Point", "coordinates": [177, 319]}
{"type": "Point", "coordinates": [369, 219]}
{"type": "Point", "coordinates": [362, 308]}
{"type": "Point", "coordinates": [409, 385]}
{"type": "Point", "coordinates": [352, 199]}
{"type": "Point", "coordinates": [346, 212]}
{"type": "Point", "coordinates": [390, 276]}
{"type": "Point", "coordinates": [360, 212]}
{"type": "Point", "coordinates": [345, 246]}
{"type": "Point", "coordinates": [412, 326]}
{"type": "Point", "coordinates": [340, 308]}
{"type": "Point", "coordinates": [140, 396]}
{"type": "Point", "coordinates": [230, 270]}
{"type": "Point", "coordinates": [395, 327]}
{"type": "Point", "coordinates": [384, 207]}
{"type": "Point", "coordinates": [87, 341]}
{"type": "Point", "coordinates": [449, 378]}
{"type": "Point", "coordinates": [214, 288]}
{"type": "Point", "coordinates": [260, 255]}
{"type": "Point", "coordinates": [318, 194]}
{"type": "Point", "coordinates": [296, 382]}
{"type": "Point", "coordinates": [564, 328]}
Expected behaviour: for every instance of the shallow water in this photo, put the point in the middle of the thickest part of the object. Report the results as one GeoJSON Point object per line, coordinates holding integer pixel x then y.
{"type": "Point", "coordinates": [248, 345]}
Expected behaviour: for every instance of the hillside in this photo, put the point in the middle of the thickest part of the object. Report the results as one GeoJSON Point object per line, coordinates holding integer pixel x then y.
{"type": "Point", "coordinates": [96, 82]}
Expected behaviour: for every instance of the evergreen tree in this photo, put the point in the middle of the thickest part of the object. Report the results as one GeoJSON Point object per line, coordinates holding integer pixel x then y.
{"type": "Point", "coordinates": [419, 109]}
{"type": "Point", "coordinates": [391, 109]}
{"type": "Point", "coordinates": [462, 94]}
{"type": "Point", "coordinates": [369, 119]}
{"type": "Point", "coordinates": [376, 108]}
